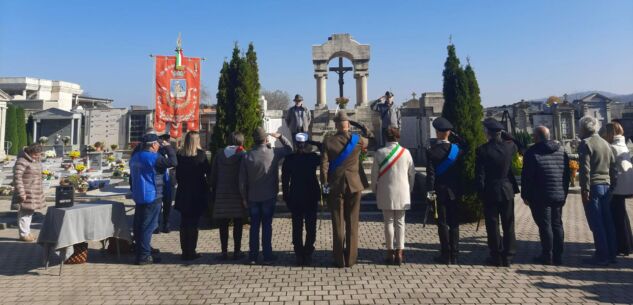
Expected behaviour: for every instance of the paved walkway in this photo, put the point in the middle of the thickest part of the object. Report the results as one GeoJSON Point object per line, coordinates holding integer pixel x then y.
{"type": "Point", "coordinates": [104, 280]}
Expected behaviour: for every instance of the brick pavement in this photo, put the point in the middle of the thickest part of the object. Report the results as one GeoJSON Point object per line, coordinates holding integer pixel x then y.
{"type": "Point", "coordinates": [105, 280]}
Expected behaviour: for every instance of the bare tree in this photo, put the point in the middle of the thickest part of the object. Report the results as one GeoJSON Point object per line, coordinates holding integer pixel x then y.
{"type": "Point", "coordinates": [205, 97]}
{"type": "Point", "coordinates": [277, 100]}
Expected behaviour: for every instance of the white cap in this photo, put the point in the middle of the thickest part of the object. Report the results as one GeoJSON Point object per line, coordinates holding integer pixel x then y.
{"type": "Point", "coordinates": [301, 137]}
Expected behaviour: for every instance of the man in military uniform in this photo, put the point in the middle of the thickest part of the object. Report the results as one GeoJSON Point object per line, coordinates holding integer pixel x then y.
{"type": "Point", "coordinates": [342, 180]}
{"type": "Point", "coordinates": [443, 178]}
{"type": "Point", "coordinates": [496, 186]}
{"type": "Point", "coordinates": [389, 116]}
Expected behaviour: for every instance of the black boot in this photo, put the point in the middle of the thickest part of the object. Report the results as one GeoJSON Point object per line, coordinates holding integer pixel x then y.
{"type": "Point", "coordinates": [454, 245]}
{"type": "Point", "coordinates": [184, 243]}
{"type": "Point", "coordinates": [193, 244]}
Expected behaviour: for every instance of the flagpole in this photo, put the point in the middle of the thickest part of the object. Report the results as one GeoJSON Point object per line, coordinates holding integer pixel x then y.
{"type": "Point", "coordinates": [154, 88]}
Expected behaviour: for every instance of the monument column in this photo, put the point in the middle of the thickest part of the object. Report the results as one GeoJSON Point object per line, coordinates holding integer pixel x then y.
{"type": "Point", "coordinates": [321, 81]}
{"type": "Point", "coordinates": [3, 122]}
{"type": "Point", "coordinates": [361, 88]}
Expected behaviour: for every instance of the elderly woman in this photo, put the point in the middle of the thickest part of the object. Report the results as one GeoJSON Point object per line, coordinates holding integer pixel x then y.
{"type": "Point", "coordinates": [192, 173]}
{"type": "Point", "coordinates": [392, 177]}
{"type": "Point", "coordinates": [228, 205]}
{"type": "Point", "coordinates": [27, 177]}
{"type": "Point", "coordinates": [596, 162]}
{"type": "Point", "coordinates": [623, 188]}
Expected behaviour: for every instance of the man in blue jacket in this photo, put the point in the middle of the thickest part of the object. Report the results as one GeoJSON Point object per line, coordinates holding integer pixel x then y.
{"type": "Point", "coordinates": [147, 168]}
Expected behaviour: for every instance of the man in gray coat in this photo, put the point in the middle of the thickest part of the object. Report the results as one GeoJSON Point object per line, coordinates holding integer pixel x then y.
{"type": "Point", "coordinates": [597, 167]}
{"type": "Point", "coordinates": [298, 118]}
{"type": "Point", "coordinates": [259, 186]}
{"type": "Point", "coordinates": [389, 115]}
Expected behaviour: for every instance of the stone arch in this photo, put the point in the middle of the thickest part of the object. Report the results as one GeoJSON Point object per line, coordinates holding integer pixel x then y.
{"type": "Point", "coordinates": [341, 45]}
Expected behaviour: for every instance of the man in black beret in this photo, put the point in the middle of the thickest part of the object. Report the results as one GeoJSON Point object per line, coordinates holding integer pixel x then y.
{"type": "Point", "coordinates": [389, 115]}
{"type": "Point", "coordinates": [496, 186]}
{"type": "Point", "coordinates": [443, 183]}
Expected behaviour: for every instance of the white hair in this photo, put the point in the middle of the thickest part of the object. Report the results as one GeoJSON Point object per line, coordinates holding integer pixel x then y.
{"type": "Point", "coordinates": [588, 125]}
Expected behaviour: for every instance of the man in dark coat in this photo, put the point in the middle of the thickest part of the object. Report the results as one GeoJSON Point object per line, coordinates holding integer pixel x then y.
{"type": "Point", "coordinates": [544, 187]}
{"type": "Point", "coordinates": [302, 195]}
{"type": "Point", "coordinates": [298, 117]}
{"type": "Point", "coordinates": [496, 186]}
{"type": "Point", "coordinates": [341, 179]}
{"type": "Point", "coordinates": [443, 178]}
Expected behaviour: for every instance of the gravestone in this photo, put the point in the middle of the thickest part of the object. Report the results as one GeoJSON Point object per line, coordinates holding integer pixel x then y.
{"type": "Point", "coordinates": [95, 161]}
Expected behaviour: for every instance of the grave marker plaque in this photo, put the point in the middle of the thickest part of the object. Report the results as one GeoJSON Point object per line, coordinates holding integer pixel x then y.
{"type": "Point", "coordinates": [95, 161]}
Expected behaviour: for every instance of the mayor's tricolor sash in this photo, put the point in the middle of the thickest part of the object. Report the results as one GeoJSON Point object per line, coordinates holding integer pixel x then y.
{"type": "Point", "coordinates": [390, 160]}
{"type": "Point", "coordinates": [349, 148]}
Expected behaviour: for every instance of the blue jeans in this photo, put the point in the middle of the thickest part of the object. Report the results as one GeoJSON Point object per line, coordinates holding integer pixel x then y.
{"type": "Point", "coordinates": [261, 213]}
{"type": "Point", "coordinates": [145, 222]}
{"type": "Point", "coordinates": [598, 212]}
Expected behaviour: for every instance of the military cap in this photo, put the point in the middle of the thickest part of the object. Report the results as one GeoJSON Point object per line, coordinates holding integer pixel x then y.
{"type": "Point", "coordinates": [442, 124]}
{"type": "Point", "coordinates": [301, 137]}
{"type": "Point", "coordinates": [341, 116]}
{"type": "Point", "coordinates": [298, 98]}
{"type": "Point", "coordinates": [388, 94]}
{"type": "Point", "coordinates": [150, 138]}
{"type": "Point", "coordinates": [259, 135]}
{"type": "Point", "coordinates": [493, 125]}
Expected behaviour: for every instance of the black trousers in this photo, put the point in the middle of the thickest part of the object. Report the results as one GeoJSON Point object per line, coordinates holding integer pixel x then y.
{"type": "Point", "coordinates": [623, 234]}
{"type": "Point", "coordinates": [166, 209]}
{"type": "Point", "coordinates": [304, 215]}
{"type": "Point", "coordinates": [549, 219]}
{"type": "Point", "coordinates": [448, 227]}
{"type": "Point", "coordinates": [189, 233]}
{"type": "Point", "coordinates": [500, 246]}
{"type": "Point", "coordinates": [238, 225]}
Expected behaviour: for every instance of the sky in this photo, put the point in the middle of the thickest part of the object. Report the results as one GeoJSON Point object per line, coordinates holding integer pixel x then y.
{"type": "Point", "coordinates": [519, 49]}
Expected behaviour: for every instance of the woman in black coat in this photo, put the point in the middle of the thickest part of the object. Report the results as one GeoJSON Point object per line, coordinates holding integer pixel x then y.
{"type": "Point", "coordinates": [192, 174]}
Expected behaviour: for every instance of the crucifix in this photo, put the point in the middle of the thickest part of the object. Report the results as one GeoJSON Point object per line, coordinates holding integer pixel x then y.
{"type": "Point", "coordinates": [340, 70]}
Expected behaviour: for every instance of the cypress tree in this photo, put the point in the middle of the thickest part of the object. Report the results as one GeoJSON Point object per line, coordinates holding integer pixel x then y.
{"type": "Point", "coordinates": [462, 107]}
{"type": "Point", "coordinates": [21, 127]}
{"type": "Point", "coordinates": [11, 130]}
{"type": "Point", "coordinates": [29, 130]}
{"type": "Point", "coordinates": [247, 95]}
{"type": "Point", "coordinates": [221, 128]}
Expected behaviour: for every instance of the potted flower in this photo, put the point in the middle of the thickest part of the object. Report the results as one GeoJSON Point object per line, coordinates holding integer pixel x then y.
{"type": "Point", "coordinates": [74, 155]}
{"type": "Point", "coordinates": [42, 140]}
{"type": "Point", "coordinates": [80, 168]}
{"type": "Point", "coordinates": [114, 147]}
{"type": "Point", "coordinates": [50, 154]}
{"type": "Point", "coordinates": [47, 175]}
{"type": "Point", "coordinates": [342, 102]}
{"type": "Point", "coordinates": [573, 169]}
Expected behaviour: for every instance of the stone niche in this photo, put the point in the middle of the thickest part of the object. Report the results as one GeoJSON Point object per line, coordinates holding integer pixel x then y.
{"type": "Point", "coordinates": [341, 45]}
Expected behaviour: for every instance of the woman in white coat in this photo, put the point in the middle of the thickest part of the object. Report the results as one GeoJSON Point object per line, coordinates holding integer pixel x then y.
{"type": "Point", "coordinates": [392, 176]}
{"type": "Point", "coordinates": [623, 188]}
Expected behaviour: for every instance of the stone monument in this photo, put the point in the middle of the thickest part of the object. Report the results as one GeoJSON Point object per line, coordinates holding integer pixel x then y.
{"type": "Point", "coordinates": [341, 46]}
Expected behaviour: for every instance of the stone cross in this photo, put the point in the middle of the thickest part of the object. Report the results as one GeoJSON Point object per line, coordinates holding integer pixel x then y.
{"type": "Point", "coordinates": [340, 70]}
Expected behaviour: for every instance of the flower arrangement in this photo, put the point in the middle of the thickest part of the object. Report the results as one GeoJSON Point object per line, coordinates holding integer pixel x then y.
{"type": "Point", "coordinates": [517, 164]}
{"type": "Point", "coordinates": [342, 102]}
{"type": "Point", "coordinates": [50, 154]}
{"type": "Point", "coordinates": [47, 175]}
{"type": "Point", "coordinates": [114, 147]}
{"type": "Point", "coordinates": [42, 140]}
{"type": "Point", "coordinates": [111, 158]}
{"type": "Point", "coordinates": [573, 168]}
{"type": "Point", "coordinates": [90, 148]}
{"type": "Point", "coordinates": [66, 140]}
{"type": "Point", "coordinates": [74, 154]}
{"type": "Point", "coordinates": [79, 182]}
{"type": "Point", "coordinates": [80, 168]}
{"type": "Point", "coordinates": [6, 190]}
{"type": "Point", "coordinates": [363, 154]}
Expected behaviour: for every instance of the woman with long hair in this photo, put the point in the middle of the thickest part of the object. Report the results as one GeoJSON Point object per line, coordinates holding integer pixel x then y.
{"type": "Point", "coordinates": [623, 187]}
{"type": "Point", "coordinates": [192, 174]}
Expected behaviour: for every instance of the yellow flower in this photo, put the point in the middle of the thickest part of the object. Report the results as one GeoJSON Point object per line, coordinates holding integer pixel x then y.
{"type": "Point", "coordinates": [74, 154]}
{"type": "Point", "coordinates": [80, 167]}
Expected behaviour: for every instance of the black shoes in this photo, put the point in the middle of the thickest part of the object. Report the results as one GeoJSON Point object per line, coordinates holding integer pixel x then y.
{"type": "Point", "coordinates": [505, 262]}
{"type": "Point", "coordinates": [148, 261]}
{"type": "Point", "coordinates": [166, 229]}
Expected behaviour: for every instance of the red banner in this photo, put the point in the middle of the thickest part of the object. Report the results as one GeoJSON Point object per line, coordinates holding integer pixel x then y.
{"type": "Point", "coordinates": [177, 94]}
